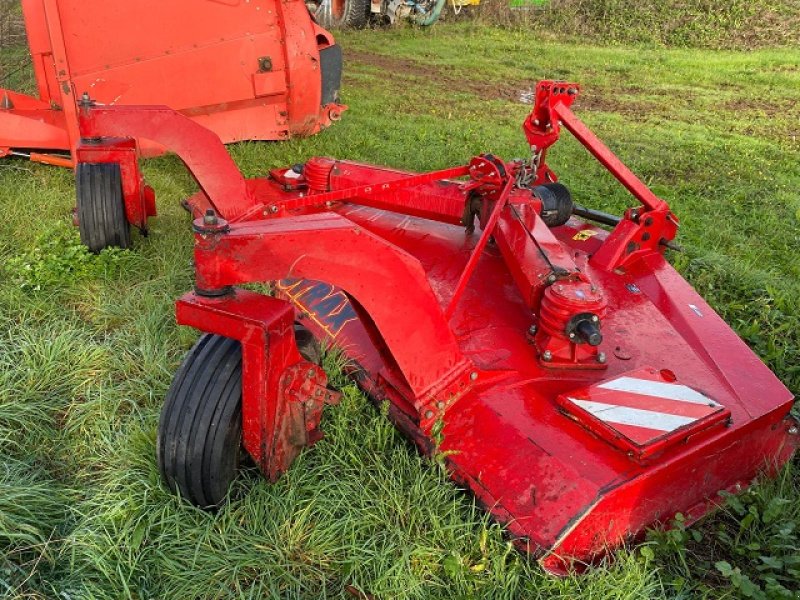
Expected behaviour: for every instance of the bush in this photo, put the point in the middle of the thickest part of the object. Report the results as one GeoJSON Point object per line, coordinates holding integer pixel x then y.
{"type": "Point", "coordinates": [689, 23]}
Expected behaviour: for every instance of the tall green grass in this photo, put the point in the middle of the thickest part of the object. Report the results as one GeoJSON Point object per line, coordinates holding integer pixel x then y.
{"type": "Point", "coordinates": [88, 344]}
{"type": "Point", "coordinates": [681, 23]}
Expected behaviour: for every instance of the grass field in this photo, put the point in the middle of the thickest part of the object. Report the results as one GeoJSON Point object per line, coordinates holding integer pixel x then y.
{"type": "Point", "coordinates": [88, 344]}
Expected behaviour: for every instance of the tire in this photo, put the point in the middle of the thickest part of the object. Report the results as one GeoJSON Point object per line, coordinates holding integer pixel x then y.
{"type": "Point", "coordinates": [200, 430]}
{"type": "Point", "coordinates": [341, 14]}
{"type": "Point", "coordinates": [199, 440]}
{"type": "Point", "coordinates": [101, 209]}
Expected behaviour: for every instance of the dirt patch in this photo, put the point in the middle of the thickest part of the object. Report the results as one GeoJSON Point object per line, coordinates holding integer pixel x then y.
{"type": "Point", "coordinates": [760, 108]}
{"type": "Point", "coordinates": [515, 91]}
{"type": "Point", "coordinates": [441, 76]}
{"type": "Point", "coordinates": [613, 104]}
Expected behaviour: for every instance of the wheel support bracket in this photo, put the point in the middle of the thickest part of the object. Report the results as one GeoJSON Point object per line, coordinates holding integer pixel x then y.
{"type": "Point", "coordinates": [283, 395]}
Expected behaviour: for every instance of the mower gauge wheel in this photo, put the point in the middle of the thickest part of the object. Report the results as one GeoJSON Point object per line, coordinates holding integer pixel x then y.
{"type": "Point", "coordinates": [200, 430]}
{"type": "Point", "coordinates": [101, 209]}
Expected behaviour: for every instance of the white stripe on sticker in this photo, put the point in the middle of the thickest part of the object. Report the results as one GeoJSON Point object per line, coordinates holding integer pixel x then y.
{"type": "Point", "coordinates": [623, 415]}
{"type": "Point", "coordinates": [657, 389]}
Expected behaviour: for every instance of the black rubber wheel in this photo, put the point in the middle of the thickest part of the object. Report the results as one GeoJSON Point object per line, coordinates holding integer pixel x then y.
{"type": "Point", "coordinates": [101, 209]}
{"type": "Point", "coordinates": [341, 14]}
{"type": "Point", "coordinates": [200, 430]}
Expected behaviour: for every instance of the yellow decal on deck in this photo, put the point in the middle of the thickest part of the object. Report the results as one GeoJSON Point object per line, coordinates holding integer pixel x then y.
{"type": "Point", "coordinates": [584, 234]}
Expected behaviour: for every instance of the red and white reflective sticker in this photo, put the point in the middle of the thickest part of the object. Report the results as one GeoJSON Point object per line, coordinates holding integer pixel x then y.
{"type": "Point", "coordinates": [643, 407]}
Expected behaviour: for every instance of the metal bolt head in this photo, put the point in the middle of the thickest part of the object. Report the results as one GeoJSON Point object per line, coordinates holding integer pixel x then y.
{"type": "Point", "coordinates": [547, 356]}
{"type": "Point", "coordinates": [428, 414]}
{"type": "Point", "coordinates": [473, 376]}
{"type": "Point", "coordinates": [273, 209]}
{"type": "Point", "coordinates": [793, 430]}
{"type": "Point", "coordinates": [440, 405]}
{"type": "Point", "coordinates": [601, 357]}
{"type": "Point", "coordinates": [595, 318]}
{"type": "Point", "coordinates": [210, 218]}
{"type": "Point", "coordinates": [532, 329]}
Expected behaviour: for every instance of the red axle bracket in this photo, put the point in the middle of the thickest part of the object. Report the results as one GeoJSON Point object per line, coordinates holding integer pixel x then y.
{"type": "Point", "coordinates": [283, 395]}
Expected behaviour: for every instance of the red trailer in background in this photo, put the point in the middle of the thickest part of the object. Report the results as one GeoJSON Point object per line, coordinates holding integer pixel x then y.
{"type": "Point", "coordinates": [245, 69]}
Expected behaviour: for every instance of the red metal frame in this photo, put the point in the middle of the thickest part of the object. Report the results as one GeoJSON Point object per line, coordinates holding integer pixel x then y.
{"type": "Point", "coordinates": [245, 70]}
{"type": "Point", "coordinates": [469, 338]}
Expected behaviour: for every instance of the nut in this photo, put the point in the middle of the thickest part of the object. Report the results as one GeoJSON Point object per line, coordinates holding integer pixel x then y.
{"type": "Point", "coordinates": [547, 356]}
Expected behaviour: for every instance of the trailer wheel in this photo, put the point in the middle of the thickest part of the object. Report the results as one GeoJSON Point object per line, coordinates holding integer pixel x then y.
{"type": "Point", "coordinates": [101, 209]}
{"type": "Point", "coordinates": [200, 430]}
{"type": "Point", "coordinates": [341, 14]}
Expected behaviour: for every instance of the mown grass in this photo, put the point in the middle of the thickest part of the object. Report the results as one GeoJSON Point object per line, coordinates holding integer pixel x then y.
{"type": "Point", "coordinates": [88, 344]}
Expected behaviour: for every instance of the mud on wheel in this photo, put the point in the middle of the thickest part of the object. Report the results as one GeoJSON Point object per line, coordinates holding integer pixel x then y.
{"type": "Point", "coordinates": [101, 209]}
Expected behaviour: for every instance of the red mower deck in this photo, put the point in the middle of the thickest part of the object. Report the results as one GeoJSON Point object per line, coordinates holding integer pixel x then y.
{"type": "Point", "coordinates": [580, 388]}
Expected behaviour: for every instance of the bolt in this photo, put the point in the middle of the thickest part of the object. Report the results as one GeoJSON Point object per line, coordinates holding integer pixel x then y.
{"type": "Point", "coordinates": [310, 373]}
{"type": "Point", "coordinates": [210, 218]}
{"type": "Point", "coordinates": [601, 357]}
{"type": "Point", "coordinates": [532, 330]}
{"type": "Point", "coordinates": [473, 376]}
{"type": "Point", "coordinates": [273, 209]}
{"type": "Point", "coordinates": [792, 430]}
{"type": "Point", "coordinates": [428, 414]}
{"type": "Point", "coordinates": [595, 318]}
{"type": "Point", "coordinates": [572, 336]}
{"type": "Point", "coordinates": [551, 278]}
{"type": "Point", "coordinates": [440, 405]}
{"type": "Point", "coordinates": [547, 356]}
{"type": "Point", "coordinates": [264, 64]}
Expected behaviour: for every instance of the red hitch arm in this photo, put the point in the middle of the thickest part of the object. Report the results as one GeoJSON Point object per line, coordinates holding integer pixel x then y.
{"type": "Point", "coordinates": [608, 159]}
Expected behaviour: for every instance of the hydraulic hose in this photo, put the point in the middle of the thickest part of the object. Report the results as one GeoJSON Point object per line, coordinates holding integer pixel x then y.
{"type": "Point", "coordinates": [429, 18]}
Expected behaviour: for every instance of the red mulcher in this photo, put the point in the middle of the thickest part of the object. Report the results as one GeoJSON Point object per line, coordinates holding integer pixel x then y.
{"type": "Point", "coordinates": [575, 382]}
{"type": "Point", "coordinates": [247, 70]}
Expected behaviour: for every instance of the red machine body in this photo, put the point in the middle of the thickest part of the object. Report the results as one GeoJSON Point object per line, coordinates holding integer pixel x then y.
{"type": "Point", "coordinates": [576, 384]}
{"type": "Point", "coordinates": [247, 70]}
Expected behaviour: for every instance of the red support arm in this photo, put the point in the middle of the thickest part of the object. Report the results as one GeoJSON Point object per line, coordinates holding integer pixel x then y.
{"type": "Point", "coordinates": [200, 149]}
{"type": "Point", "coordinates": [389, 283]}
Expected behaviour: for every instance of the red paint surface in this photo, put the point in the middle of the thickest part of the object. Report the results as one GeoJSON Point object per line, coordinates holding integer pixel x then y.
{"type": "Point", "coordinates": [200, 58]}
{"type": "Point", "coordinates": [376, 271]}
